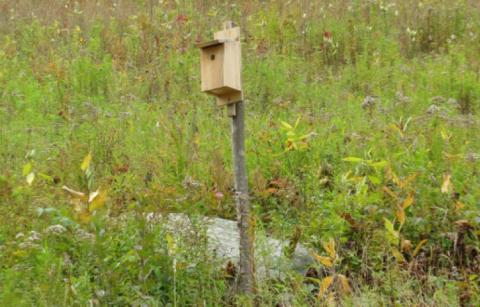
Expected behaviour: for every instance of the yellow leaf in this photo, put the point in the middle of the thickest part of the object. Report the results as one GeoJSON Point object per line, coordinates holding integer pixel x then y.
{"type": "Point", "coordinates": [396, 253]}
{"type": "Point", "coordinates": [84, 217]}
{"type": "Point", "coordinates": [400, 214]}
{"type": "Point", "coordinates": [345, 285]}
{"type": "Point", "coordinates": [404, 183]}
{"type": "Point", "coordinates": [395, 179]}
{"type": "Point", "coordinates": [397, 129]}
{"type": "Point", "coordinates": [20, 253]}
{"type": "Point", "coordinates": [98, 201]}
{"type": "Point", "coordinates": [324, 285]}
{"type": "Point", "coordinates": [445, 135]}
{"type": "Point", "coordinates": [330, 248]}
{"type": "Point", "coordinates": [390, 192]}
{"type": "Point", "coordinates": [408, 201]}
{"type": "Point", "coordinates": [30, 177]}
{"type": "Point", "coordinates": [86, 162]}
{"type": "Point", "coordinates": [447, 184]}
{"type": "Point", "coordinates": [388, 172]}
{"type": "Point", "coordinates": [331, 299]}
{"type": "Point", "coordinates": [459, 205]}
{"type": "Point", "coordinates": [419, 246]}
{"type": "Point", "coordinates": [196, 139]}
{"type": "Point", "coordinates": [326, 261]}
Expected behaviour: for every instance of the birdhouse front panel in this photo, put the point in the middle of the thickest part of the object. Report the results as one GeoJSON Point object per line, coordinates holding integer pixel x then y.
{"type": "Point", "coordinates": [212, 62]}
{"type": "Point", "coordinates": [220, 62]}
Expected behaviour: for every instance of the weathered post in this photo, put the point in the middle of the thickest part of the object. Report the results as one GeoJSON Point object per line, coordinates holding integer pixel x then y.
{"type": "Point", "coordinates": [221, 76]}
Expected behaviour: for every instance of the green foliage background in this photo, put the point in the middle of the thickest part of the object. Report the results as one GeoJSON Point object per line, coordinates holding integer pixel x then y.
{"type": "Point", "coordinates": [392, 86]}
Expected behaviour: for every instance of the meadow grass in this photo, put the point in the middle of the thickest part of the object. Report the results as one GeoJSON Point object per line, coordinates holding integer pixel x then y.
{"type": "Point", "coordinates": [362, 128]}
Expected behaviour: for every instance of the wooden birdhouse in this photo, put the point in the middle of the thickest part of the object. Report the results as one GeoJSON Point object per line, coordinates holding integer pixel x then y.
{"type": "Point", "coordinates": [220, 62]}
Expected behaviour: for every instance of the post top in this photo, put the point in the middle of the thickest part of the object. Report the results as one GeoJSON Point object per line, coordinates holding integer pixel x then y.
{"type": "Point", "coordinates": [228, 24]}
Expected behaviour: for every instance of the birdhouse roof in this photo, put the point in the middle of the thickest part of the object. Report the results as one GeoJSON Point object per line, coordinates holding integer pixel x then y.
{"type": "Point", "coordinates": [214, 42]}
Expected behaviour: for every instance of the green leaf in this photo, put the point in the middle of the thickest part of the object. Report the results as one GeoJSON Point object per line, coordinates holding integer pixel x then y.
{"type": "Point", "coordinates": [46, 177]}
{"type": "Point", "coordinates": [27, 169]}
{"type": "Point", "coordinates": [392, 234]}
{"type": "Point", "coordinates": [379, 164]}
{"type": "Point", "coordinates": [353, 159]}
{"type": "Point", "coordinates": [286, 125]}
{"type": "Point", "coordinates": [375, 180]}
{"type": "Point", "coordinates": [86, 162]}
{"type": "Point", "coordinates": [297, 121]}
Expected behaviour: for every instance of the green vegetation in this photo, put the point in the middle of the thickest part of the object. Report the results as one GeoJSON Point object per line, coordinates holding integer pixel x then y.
{"type": "Point", "coordinates": [362, 139]}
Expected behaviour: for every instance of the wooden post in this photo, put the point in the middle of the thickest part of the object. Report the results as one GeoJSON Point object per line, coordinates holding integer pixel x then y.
{"type": "Point", "coordinates": [246, 225]}
{"type": "Point", "coordinates": [221, 76]}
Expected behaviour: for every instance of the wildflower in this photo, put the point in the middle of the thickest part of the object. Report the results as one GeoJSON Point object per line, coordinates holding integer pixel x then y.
{"type": "Point", "coordinates": [19, 235]}
{"type": "Point", "coordinates": [55, 229]}
{"type": "Point", "coordinates": [219, 195]}
{"type": "Point", "coordinates": [83, 235]}
{"type": "Point", "coordinates": [181, 18]}
{"type": "Point", "coordinates": [34, 236]}
{"type": "Point", "coordinates": [432, 109]}
{"type": "Point", "coordinates": [27, 245]}
{"type": "Point", "coordinates": [328, 37]}
{"type": "Point", "coordinates": [369, 102]}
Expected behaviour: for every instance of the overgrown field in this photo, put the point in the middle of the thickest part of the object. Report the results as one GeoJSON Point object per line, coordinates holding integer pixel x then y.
{"type": "Point", "coordinates": [362, 130]}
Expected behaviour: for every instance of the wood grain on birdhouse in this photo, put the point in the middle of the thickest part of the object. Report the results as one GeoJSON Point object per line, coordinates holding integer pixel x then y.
{"type": "Point", "coordinates": [220, 63]}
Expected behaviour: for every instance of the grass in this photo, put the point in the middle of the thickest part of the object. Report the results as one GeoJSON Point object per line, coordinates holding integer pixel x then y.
{"type": "Point", "coordinates": [362, 120]}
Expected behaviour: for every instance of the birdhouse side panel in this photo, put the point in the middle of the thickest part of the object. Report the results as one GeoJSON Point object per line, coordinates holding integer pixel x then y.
{"type": "Point", "coordinates": [232, 66]}
{"type": "Point", "coordinates": [211, 66]}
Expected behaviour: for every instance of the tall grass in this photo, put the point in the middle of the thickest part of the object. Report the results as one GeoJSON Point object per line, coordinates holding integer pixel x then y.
{"type": "Point", "coordinates": [386, 94]}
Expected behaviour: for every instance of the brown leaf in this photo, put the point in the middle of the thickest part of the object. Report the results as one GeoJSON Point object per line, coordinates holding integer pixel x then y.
{"type": "Point", "coordinates": [464, 224]}
{"type": "Point", "coordinates": [348, 217]}
{"type": "Point", "coordinates": [406, 245]}
{"type": "Point", "coordinates": [230, 270]}
{"type": "Point", "coordinates": [459, 205]}
{"type": "Point", "coordinates": [447, 184]}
